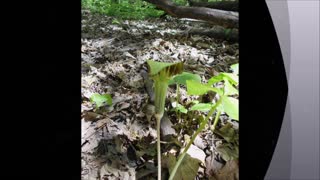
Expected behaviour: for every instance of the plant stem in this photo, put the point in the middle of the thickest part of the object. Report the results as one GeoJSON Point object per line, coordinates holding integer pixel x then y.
{"type": "Point", "coordinates": [202, 125]}
{"type": "Point", "coordinates": [160, 99]}
{"type": "Point", "coordinates": [178, 101]}
{"type": "Point", "coordinates": [158, 147]}
{"type": "Point", "coordinates": [178, 93]}
{"type": "Point", "coordinates": [216, 120]}
{"type": "Point", "coordinates": [160, 96]}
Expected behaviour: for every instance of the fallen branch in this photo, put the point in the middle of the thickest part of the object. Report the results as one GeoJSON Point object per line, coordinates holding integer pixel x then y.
{"type": "Point", "coordinates": [222, 5]}
{"type": "Point", "coordinates": [218, 17]}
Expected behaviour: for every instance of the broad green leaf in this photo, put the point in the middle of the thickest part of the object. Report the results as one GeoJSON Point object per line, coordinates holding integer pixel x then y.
{"type": "Point", "coordinates": [182, 78]}
{"type": "Point", "coordinates": [234, 79]}
{"type": "Point", "coordinates": [235, 68]}
{"type": "Point", "coordinates": [172, 68]}
{"type": "Point", "coordinates": [101, 100]}
{"type": "Point", "coordinates": [204, 107]}
{"type": "Point", "coordinates": [171, 81]}
{"type": "Point", "coordinates": [230, 106]}
{"type": "Point", "coordinates": [230, 77]}
{"type": "Point", "coordinates": [196, 88]}
{"type": "Point", "coordinates": [215, 79]}
{"type": "Point", "coordinates": [195, 102]}
{"type": "Point", "coordinates": [220, 108]}
{"type": "Point", "coordinates": [228, 88]}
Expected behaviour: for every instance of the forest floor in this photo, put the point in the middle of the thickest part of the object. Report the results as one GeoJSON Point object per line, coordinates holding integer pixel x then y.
{"type": "Point", "coordinates": [118, 142]}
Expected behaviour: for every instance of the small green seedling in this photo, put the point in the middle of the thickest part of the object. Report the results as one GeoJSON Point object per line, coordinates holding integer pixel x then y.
{"type": "Point", "coordinates": [161, 73]}
{"type": "Point", "coordinates": [181, 79]}
{"type": "Point", "coordinates": [235, 68]}
{"type": "Point", "coordinates": [101, 100]}
{"type": "Point", "coordinates": [116, 21]}
{"type": "Point", "coordinates": [179, 108]}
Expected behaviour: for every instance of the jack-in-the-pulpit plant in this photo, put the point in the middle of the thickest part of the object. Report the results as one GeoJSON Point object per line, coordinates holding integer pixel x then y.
{"type": "Point", "coordinates": [161, 73]}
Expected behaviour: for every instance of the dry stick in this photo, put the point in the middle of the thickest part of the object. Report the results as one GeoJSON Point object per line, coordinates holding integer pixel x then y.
{"type": "Point", "coordinates": [202, 125]}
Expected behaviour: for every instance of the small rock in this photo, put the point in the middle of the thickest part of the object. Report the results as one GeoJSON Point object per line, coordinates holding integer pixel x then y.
{"type": "Point", "coordinates": [212, 165]}
{"type": "Point", "coordinates": [166, 126]}
{"type": "Point", "coordinates": [207, 151]}
{"type": "Point", "coordinates": [199, 143]}
{"type": "Point", "coordinates": [196, 153]}
{"type": "Point", "coordinates": [124, 106]}
{"type": "Point", "coordinates": [149, 111]}
{"type": "Point", "coordinates": [91, 116]}
{"type": "Point", "coordinates": [135, 81]}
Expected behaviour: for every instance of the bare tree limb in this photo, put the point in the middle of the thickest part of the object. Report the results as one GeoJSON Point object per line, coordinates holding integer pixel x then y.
{"type": "Point", "coordinates": [222, 5]}
{"type": "Point", "coordinates": [219, 17]}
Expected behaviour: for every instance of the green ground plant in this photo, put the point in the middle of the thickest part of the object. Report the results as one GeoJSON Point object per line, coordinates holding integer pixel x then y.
{"type": "Point", "coordinates": [101, 100]}
{"type": "Point", "coordinates": [225, 104]}
{"type": "Point", "coordinates": [123, 9]}
{"type": "Point", "coordinates": [161, 73]}
{"type": "Point", "coordinates": [164, 74]}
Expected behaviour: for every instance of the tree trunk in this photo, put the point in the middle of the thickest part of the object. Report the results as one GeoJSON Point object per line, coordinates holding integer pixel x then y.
{"type": "Point", "coordinates": [222, 5]}
{"type": "Point", "coordinates": [214, 16]}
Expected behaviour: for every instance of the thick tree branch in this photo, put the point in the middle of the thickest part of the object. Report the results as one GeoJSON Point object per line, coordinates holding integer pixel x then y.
{"type": "Point", "coordinates": [222, 5]}
{"type": "Point", "coordinates": [214, 16]}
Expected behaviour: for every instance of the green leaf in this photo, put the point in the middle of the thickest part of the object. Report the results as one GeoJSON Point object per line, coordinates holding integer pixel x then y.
{"type": "Point", "coordinates": [195, 102]}
{"type": "Point", "coordinates": [235, 68]}
{"type": "Point", "coordinates": [228, 88]}
{"type": "Point", "coordinates": [220, 108]}
{"type": "Point", "coordinates": [179, 107]}
{"type": "Point", "coordinates": [196, 88]}
{"type": "Point", "coordinates": [182, 78]}
{"type": "Point", "coordinates": [171, 81]}
{"type": "Point", "coordinates": [230, 77]}
{"type": "Point", "coordinates": [101, 100]}
{"type": "Point", "coordinates": [215, 79]}
{"type": "Point", "coordinates": [230, 106]}
{"type": "Point", "coordinates": [234, 79]}
{"type": "Point", "coordinates": [204, 107]}
{"type": "Point", "coordinates": [172, 68]}
{"type": "Point", "coordinates": [115, 21]}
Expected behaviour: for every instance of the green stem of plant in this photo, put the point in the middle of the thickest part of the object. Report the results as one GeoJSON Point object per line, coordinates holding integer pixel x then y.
{"type": "Point", "coordinates": [178, 100]}
{"type": "Point", "coordinates": [216, 120]}
{"type": "Point", "coordinates": [202, 125]}
{"type": "Point", "coordinates": [158, 147]}
{"type": "Point", "coordinates": [178, 93]}
{"type": "Point", "coordinates": [160, 98]}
